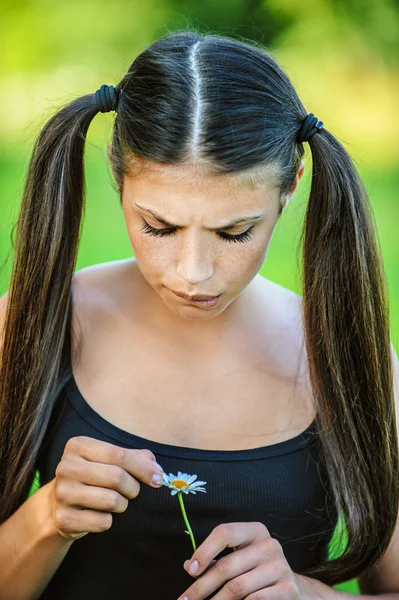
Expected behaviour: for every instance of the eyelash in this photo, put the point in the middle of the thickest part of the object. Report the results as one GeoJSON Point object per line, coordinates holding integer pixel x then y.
{"type": "Point", "coordinates": [242, 237]}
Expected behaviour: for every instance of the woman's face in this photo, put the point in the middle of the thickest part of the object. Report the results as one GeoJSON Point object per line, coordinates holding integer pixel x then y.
{"type": "Point", "coordinates": [180, 224]}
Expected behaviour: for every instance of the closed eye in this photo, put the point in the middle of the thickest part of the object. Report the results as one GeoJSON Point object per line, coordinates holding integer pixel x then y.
{"type": "Point", "coordinates": [241, 237]}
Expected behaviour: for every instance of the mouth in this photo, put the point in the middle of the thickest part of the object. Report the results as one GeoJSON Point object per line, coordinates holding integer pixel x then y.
{"type": "Point", "coordinates": [196, 298]}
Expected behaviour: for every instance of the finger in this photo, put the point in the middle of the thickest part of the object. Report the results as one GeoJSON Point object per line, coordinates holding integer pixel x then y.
{"type": "Point", "coordinates": [186, 563]}
{"type": "Point", "coordinates": [227, 535]}
{"type": "Point", "coordinates": [256, 580]}
{"type": "Point", "coordinates": [102, 475]}
{"type": "Point", "coordinates": [104, 452]}
{"type": "Point", "coordinates": [74, 493]}
{"type": "Point", "coordinates": [232, 567]}
{"type": "Point", "coordinates": [136, 462]}
{"type": "Point", "coordinates": [72, 520]}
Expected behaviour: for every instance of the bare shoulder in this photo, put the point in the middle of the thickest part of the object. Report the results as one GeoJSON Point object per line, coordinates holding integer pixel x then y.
{"type": "Point", "coordinates": [3, 310]}
{"type": "Point", "coordinates": [92, 283]}
{"type": "Point", "coordinates": [94, 304]}
{"type": "Point", "coordinates": [3, 304]}
{"type": "Point", "coordinates": [285, 331]}
{"type": "Point", "coordinates": [286, 304]}
{"type": "Point", "coordinates": [95, 290]}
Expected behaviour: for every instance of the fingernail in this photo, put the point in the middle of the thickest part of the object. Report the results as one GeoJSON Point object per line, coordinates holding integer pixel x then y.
{"type": "Point", "coordinates": [157, 479]}
{"type": "Point", "coordinates": [193, 568]}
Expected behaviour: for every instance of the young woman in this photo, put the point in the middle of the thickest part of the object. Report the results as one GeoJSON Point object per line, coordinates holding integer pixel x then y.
{"type": "Point", "coordinates": [184, 355]}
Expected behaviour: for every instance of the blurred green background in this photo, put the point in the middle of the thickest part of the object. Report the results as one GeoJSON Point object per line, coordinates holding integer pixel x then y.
{"type": "Point", "coordinates": [340, 54]}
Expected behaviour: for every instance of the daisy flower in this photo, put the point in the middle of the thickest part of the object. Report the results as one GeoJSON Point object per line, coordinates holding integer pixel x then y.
{"type": "Point", "coordinates": [183, 482]}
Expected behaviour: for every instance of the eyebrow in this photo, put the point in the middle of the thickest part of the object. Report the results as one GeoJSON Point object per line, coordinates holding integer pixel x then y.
{"type": "Point", "coordinates": [229, 225]}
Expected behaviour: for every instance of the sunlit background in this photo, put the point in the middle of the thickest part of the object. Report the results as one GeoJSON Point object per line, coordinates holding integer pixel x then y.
{"type": "Point", "coordinates": [342, 56]}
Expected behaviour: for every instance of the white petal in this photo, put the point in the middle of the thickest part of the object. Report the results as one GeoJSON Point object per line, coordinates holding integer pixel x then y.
{"type": "Point", "coordinates": [174, 492]}
{"type": "Point", "coordinates": [197, 489]}
{"type": "Point", "coordinates": [191, 479]}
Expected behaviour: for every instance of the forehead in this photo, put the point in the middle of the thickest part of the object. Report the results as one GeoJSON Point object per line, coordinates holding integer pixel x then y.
{"type": "Point", "coordinates": [184, 181]}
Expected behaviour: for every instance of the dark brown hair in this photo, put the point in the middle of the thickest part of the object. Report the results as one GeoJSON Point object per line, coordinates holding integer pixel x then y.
{"type": "Point", "coordinates": [227, 106]}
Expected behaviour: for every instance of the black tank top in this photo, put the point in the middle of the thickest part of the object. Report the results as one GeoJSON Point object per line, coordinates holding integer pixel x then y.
{"type": "Point", "coordinates": [282, 485]}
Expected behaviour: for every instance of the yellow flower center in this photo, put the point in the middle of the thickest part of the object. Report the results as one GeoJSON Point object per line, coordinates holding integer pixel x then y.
{"type": "Point", "coordinates": [179, 483]}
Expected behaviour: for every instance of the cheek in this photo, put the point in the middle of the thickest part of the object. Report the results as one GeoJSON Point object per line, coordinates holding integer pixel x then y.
{"type": "Point", "coordinates": [151, 253]}
{"type": "Point", "coordinates": [248, 257]}
{"type": "Point", "coordinates": [246, 264]}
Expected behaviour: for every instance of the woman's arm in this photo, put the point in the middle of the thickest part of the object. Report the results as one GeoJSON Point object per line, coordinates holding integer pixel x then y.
{"type": "Point", "coordinates": [31, 549]}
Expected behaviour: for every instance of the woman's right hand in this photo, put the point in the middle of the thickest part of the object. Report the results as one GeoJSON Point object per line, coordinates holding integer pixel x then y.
{"type": "Point", "coordinates": [93, 480]}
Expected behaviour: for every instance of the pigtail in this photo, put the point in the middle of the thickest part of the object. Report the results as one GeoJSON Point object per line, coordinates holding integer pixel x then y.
{"type": "Point", "coordinates": [346, 322]}
{"type": "Point", "coordinates": [38, 299]}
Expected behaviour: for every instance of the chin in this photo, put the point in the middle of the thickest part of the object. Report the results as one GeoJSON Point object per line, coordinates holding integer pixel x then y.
{"type": "Point", "coordinates": [193, 313]}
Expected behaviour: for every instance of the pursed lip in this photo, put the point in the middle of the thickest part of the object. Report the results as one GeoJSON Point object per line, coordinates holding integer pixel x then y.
{"type": "Point", "coordinates": [196, 298]}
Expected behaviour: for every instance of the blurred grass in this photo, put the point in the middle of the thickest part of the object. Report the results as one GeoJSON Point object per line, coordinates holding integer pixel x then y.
{"type": "Point", "coordinates": [104, 236]}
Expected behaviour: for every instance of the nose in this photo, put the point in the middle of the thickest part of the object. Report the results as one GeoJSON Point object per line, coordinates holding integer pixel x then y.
{"type": "Point", "coordinates": [195, 260]}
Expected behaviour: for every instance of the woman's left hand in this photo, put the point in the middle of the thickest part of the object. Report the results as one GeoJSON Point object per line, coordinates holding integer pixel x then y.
{"type": "Point", "coordinates": [257, 569]}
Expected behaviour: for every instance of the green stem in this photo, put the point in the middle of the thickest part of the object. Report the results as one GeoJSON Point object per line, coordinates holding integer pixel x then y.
{"type": "Point", "coordinates": [180, 496]}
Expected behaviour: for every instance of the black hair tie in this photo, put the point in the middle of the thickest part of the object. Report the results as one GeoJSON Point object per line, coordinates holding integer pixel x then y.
{"type": "Point", "coordinates": [106, 98]}
{"type": "Point", "coordinates": [309, 127]}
